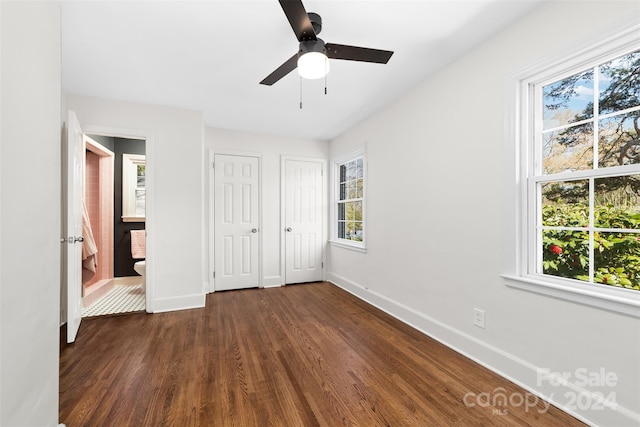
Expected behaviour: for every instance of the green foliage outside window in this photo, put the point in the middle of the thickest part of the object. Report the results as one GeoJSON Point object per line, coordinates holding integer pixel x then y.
{"type": "Point", "coordinates": [616, 254]}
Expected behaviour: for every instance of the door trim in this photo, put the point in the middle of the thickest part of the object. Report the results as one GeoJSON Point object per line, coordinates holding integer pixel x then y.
{"type": "Point", "coordinates": [211, 219]}
{"type": "Point", "coordinates": [325, 211]}
{"type": "Point", "coordinates": [147, 136]}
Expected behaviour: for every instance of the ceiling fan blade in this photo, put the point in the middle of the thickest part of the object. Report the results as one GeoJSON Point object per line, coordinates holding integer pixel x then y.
{"type": "Point", "coordinates": [354, 53]}
{"type": "Point", "coordinates": [299, 20]}
{"type": "Point", "coordinates": [281, 71]}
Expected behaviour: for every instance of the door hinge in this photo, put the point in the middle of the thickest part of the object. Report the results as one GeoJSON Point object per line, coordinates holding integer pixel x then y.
{"type": "Point", "coordinates": [214, 274]}
{"type": "Point", "coordinates": [213, 165]}
{"type": "Point", "coordinates": [322, 265]}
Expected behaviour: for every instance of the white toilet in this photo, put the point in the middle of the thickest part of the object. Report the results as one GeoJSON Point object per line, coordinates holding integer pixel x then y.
{"type": "Point", "coordinates": [141, 268]}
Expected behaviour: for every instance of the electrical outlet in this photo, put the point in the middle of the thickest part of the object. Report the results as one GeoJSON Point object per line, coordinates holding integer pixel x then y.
{"type": "Point", "coordinates": [478, 317]}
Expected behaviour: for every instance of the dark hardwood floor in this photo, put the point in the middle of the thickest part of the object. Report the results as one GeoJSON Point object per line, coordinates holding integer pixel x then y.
{"type": "Point", "coordinates": [301, 355]}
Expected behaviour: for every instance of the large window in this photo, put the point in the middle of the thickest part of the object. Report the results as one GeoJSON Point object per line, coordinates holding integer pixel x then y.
{"type": "Point", "coordinates": [585, 187]}
{"type": "Point", "coordinates": [577, 203]}
{"type": "Point", "coordinates": [349, 178]}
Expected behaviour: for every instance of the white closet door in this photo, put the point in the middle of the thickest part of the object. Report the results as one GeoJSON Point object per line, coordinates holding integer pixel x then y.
{"type": "Point", "coordinates": [236, 222]}
{"type": "Point", "coordinates": [303, 221]}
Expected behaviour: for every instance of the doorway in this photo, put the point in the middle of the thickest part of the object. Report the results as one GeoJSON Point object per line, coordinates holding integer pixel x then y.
{"type": "Point", "coordinates": [119, 191]}
{"type": "Point", "coordinates": [72, 225]}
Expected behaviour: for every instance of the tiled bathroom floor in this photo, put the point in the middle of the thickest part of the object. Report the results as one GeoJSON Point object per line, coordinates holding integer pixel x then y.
{"type": "Point", "coordinates": [122, 298]}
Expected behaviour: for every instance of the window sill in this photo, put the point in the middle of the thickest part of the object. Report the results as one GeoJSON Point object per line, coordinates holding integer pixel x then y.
{"type": "Point", "coordinates": [133, 219]}
{"type": "Point", "coordinates": [349, 246]}
{"type": "Point", "coordinates": [618, 300]}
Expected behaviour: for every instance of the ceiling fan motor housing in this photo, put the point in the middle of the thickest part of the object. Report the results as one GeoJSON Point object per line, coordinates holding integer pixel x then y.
{"type": "Point", "coordinates": [308, 46]}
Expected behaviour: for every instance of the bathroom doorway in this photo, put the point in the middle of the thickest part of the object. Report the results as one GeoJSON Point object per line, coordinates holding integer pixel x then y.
{"type": "Point", "coordinates": [115, 200]}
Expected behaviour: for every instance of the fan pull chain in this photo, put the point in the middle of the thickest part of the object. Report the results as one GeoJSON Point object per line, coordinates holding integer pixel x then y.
{"type": "Point", "coordinates": [326, 72]}
{"type": "Point", "coordinates": [301, 92]}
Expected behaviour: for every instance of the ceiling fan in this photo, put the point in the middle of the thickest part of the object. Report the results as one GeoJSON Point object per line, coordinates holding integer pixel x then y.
{"type": "Point", "coordinates": [312, 57]}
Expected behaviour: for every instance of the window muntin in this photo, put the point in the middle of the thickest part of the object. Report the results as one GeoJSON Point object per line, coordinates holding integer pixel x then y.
{"type": "Point", "coordinates": [350, 201]}
{"type": "Point", "coordinates": [586, 184]}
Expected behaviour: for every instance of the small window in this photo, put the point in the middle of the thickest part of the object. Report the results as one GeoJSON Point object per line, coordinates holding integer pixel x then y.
{"type": "Point", "coordinates": [349, 190]}
{"type": "Point", "coordinates": [133, 188]}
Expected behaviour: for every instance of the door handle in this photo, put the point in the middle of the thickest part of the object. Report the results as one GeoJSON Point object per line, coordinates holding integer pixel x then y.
{"type": "Point", "coordinates": [288, 229]}
{"type": "Point", "coordinates": [71, 240]}
{"type": "Point", "coordinates": [254, 230]}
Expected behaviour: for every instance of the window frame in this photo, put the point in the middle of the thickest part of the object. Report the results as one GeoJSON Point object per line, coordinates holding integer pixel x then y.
{"type": "Point", "coordinates": [130, 163]}
{"type": "Point", "coordinates": [520, 119]}
{"type": "Point", "coordinates": [336, 163]}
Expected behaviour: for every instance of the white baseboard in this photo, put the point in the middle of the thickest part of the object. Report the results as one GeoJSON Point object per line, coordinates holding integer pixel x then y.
{"type": "Point", "coordinates": [511, 367]}
{"type": "Point", "coordinates": [271, 281]}
{"type": "Point", "coordinates": [185, 302]}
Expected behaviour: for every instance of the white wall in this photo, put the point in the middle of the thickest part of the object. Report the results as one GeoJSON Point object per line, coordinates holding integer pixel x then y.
{"type": "Point", "coordinates": [436, 213]}
{"type": "Point", "coordinates": [30, 214]}
{"type": "Point", "coordinates": [271, 149]}
{"type": "Point", "coordinates": [175, 237]}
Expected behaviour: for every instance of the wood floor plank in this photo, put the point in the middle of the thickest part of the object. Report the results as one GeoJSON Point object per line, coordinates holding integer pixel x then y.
{"type": "Point", "coordinates": [300, 355]}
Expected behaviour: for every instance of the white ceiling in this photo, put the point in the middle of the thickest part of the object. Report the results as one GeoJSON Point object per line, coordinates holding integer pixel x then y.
{"type": "Point", "coordinates": [211, 55]}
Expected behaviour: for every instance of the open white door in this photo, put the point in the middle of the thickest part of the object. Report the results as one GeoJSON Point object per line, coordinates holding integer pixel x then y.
{"type": "Point", "coordinates": [236, 219]}
{"type": "Point", "coordinates": [74, 148]}
{"type": "Point", "coordinates": [303, 221]}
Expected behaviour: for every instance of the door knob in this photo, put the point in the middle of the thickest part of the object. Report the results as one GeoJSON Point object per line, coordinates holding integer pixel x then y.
{"type": "Point", "coordinates": [254, 230]}
{"type": "Point", "coordinates": [71, 240]}
{"type": "Point", "coordinates": [288, 229]}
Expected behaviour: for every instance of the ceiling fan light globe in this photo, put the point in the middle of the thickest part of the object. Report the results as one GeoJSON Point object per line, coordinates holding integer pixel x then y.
{"type": "Point", "coordinates": [313, 65]}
